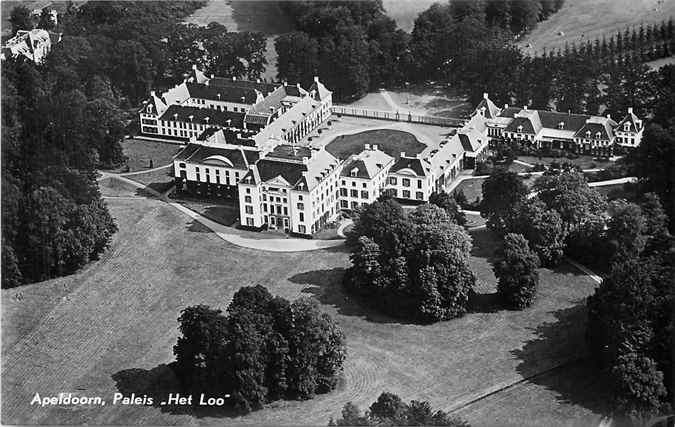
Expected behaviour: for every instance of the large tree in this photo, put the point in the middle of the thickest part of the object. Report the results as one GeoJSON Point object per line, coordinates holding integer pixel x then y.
{"type": "Point", "coordinates": [503, 194]}
{"type": "Point", "coordinates": [516, 272]}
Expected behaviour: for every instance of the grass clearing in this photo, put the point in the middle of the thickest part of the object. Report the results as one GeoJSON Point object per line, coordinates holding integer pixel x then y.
{"type": "Point", "coordinates": [392, 142]}
{"type": "Point", "coordinates": [115, 328]}
{"type": "Point", "coordinates": [582, 20]}
{"type": "Point", "coordinates": [111, 187]}
{"type": "Point", "coordinates": [159, 180]}
{"type": "Point", "coordinates": [472, 189]}
{"type": "Point", "coordinates": [140, 152]}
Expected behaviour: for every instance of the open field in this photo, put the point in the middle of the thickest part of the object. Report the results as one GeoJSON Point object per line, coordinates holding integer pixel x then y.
{"type": "Point", "coordinates": [159, 180]}
{"type": "Point", "coordinates": [111, 187]}
{"type": "Point", "coordinates": [658, 63]}
{"type": "Point", "coordinates": [430, 100]}
{"type": "Point", "coordinates": [581, 20]}
{"type": "Point", "coordinates": [472, 188]}
{"type": "Point", "coordinates": [404, 12]}
{"type": "Point", "coordinates": [140, 152]}
{"type": "Point", "coordinates": [112, 325]}
{"type": "Point", "coordinates": [392, 142]}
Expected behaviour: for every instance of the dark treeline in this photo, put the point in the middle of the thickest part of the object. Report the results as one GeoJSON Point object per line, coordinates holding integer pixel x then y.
{"type": "Point", "coordinates": [355, 47]}
{"type": "Point", "coordinates": [63, 119]}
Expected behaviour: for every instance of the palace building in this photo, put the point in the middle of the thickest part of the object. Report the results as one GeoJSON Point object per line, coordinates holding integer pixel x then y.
{"type": "Point", "coordinates": [584, 134]}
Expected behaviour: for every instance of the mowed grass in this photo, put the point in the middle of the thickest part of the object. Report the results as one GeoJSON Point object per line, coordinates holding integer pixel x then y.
{"type": "Point", "coordinates": [139, 153]}
{"type": "Point", "coordinates": [112, 326]}
{"type": "Point", "coordinates": [472, 189]}
{"type": "Point", "coordinates": [583, 20]}
{"type": "Point", "coordinates": [392, 142]}
{"type": "Point", "coordinates": [159, 180]}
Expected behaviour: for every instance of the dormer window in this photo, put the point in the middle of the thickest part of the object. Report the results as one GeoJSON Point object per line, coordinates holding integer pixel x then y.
{"type": "Point", "coordinates": [588, 134]}
{"type": "Point", "coordinates": [561, 125]}
{"type": "Point", "coordinates": [597, 135]}
{"type": "Point", "coordinates": [626, 127]}
{"type": "Point", "coordinates": [353, 173]}
{"type": "Point", "coordinates": [520, 128]}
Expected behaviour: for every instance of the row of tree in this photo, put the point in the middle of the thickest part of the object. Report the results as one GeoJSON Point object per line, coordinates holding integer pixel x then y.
{"type": "Point", "coordinates": [391, 410]}
{"type": "Point", "coordinates": [414, 266]}
{"type": "Point", "coordinates": [263, 349]}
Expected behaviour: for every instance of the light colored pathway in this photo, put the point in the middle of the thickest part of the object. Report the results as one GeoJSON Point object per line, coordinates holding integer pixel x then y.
{"type": "Point", "coordinates": [626, 180]}
{"type": "Point", "coordinates": [388, 99]}
{"type": "Point", "coordinates": [225, 233]}
{"type": "Point", "coordinates": [520, 162]}
{"type": "Point", "coordinates": [146, 170]}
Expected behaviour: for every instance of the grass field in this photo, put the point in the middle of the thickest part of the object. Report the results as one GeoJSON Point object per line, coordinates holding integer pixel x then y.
{"type": "Point", "coordinates": [582, 20]}
{"type": "Point", "coordinates": [472, 188]}
{"type": "Point", "coordinates": [139, 153]}
{"type": "Point", "coordinates": [392, 142]}
{"type": "Point", "coordinates": [159, 180]}
{"type": "Point", "coordinates": [112, 325]}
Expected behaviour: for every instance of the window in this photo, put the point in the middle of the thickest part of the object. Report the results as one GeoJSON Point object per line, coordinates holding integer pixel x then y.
{"type": "Point", "coordinates": [364, 185]}
{"type": "Point", "coordinates": [364, 194]}
{"type": "Point", "coordinates": [181, 165]}
{"type": "Point", "coordinates": [301, 206]}
{"type": "Point", "coordinates": [265, 207]}
{"type": "Point", "coordinates": [343, 192]}
{"type": "Point", "coordinates": [406, 194]}
{"type": "Point", "coordinates": [264, 197]}
{"type": "Point", "coordinates": [406, 182]}
{"type": "Point", "coordinates": [302, 216]}
{"type": "Point", "coordinates": [344, 204]}
{"type": "Point", "coordinates": [248, 191]}
{"type": "Point", "coordinates": [354, 193]}
{"type": "Point", "coordinates": [249, 222]}
{"type": "Point", "coordinates": [300, 197]}
{"type": "Point", "coordinates": [392, 180]}
{"type": "Point", "coordinates": [344, 182]}
{"type": "Point", "coordinates": [285, 210]}
{"type": "Point", "coordinates": [249, 209]}
{"type": "Point", "coordinates": [247, 199]}
{"type": "Point", "coordinates": [419, 195]}
{"type": "Point", "coordinates": [302, 229]}
{"type": "Point", "coordinates": [355, 205]}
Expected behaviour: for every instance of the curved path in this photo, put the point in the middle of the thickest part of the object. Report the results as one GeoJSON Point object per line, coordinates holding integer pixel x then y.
{"type": "Point", "coordinates": [225, 233]}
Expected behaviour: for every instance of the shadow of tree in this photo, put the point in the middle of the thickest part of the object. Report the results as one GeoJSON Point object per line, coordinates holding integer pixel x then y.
{"type": "Point", "coordinates": [157, 383]}
{"type": "Point", "coordinates": [326, 286]}
{"type": "Point", "coordinates": [558, 360]}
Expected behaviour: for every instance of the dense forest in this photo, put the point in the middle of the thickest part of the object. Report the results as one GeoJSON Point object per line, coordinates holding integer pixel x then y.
{"type": "Point", "coordinates": [65, 118]}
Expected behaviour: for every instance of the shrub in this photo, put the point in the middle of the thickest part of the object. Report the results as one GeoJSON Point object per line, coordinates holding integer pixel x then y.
{"type": "Point", "coordinates": [516, 271]}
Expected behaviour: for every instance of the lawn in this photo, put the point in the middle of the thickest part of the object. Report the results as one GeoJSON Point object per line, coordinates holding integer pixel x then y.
{"type": "Point", "coordinates": [111, 187]}
{"type": "Point", "coordinates": [159, 180]}
{"type": "Point", "coordinates": [392, 142]}
{"type": "Point", "coordinates": [112, 326]}
{"type": "Point", "coordinates": [140, 152]}
{"type": "Point", "coordinates": [431, 100]}
{"type": "Point", "coordinates": [582, 20]}
{"type": "Point", "coordinates": [222, 213]}
{"type": "Point", "coordinates": [472, 188]}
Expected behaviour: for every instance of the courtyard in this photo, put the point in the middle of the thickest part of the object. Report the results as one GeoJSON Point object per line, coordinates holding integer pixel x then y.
{"type": "Point", "coordinates": [392, 142]}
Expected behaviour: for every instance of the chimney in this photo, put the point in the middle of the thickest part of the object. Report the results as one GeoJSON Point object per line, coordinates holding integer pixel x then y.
{"type": "Point", "coordinates": [305, 160]}
{"type": "Point", "coordinates": [152, 93]}
{"type": "Point", "coordinates": [524, 107]}
{"type": "Point", "coordinates": [367, 146]}
{"type": "Point", "coordinates": [257, 80]}
{"type": "Point", "coordinates": [402, 153]}
{"type": "Point", "coordinates": [285, 83]}
{"type": "Point", "coordinates": [630, 110]}
{"type": "Point", "coordinates": [485, 95]}
{"type": "Point", "coordinates": [194, 67]}
{"type": "Point", "coordinates": [375, 147]}
{"type": "Point", "coordinates": [191, 117]}
{"type": "Point", "coordinates": [219, 97]}
{"type": "Point", "coordinates": [316, 79]}
{"type": "Point", "coordinates": [206, 119]}
{"type": "Point", "coordinates": [206, 83]}
{"type": "Point", "coordinates": [234, 78]}
{"type": "Point", "coordinates": [506, 106]}
{"type": "Point", "coordinates": [297, 85]}
{"type": "Point", "coordinates": [609, 116]}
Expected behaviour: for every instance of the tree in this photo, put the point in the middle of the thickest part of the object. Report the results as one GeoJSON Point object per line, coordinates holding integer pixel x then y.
{"type": "Point", "coordinates": [389, 409]}
{"type": "Point", "coordinates": [516, 272]}
{"type": "Point", "coordinates": [298, 57]}
{"type": "Point", "coordinates": [656, 220]}
{"type": "Point", "coordinates": [625, 229]}
{"type": "Point", "coordinates": [20, 19]}
{"type": "Point", "coordinates": [653, 161]}
{"type": "Point", "coordinates": [503, 194]}
{"type": "Point", "coordinates": [543, 229]}
{"type": "Point", "coordinates": [629, 331]}
{"type": "Point", "coordinates": [448, 203]}
{"type": "Point", "coordinates": [265, 348]}
{"type": "Point", "coordinates": [568, 194]}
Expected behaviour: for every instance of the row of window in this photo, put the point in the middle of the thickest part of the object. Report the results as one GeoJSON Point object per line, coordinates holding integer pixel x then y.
{"type": "Point", "coordinates": [404, 181]}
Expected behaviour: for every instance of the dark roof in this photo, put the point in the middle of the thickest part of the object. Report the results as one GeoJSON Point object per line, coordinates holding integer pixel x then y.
{"type": "Point", "coordinates": [262, 87]}
{"type": "Point", "coordinates": [633, 120]}
{"type": "Point", "coordinates": [290, 152]}
{"type": "Point", "coordinates": [594, 128]}
{"type": "Point", "coordinates": [240, 159]}
{"type": "Point", "coordinates": [227, 93]}
{"type": "Point", "coordinates": [270, 169]}
{"type": "Point", "coordinates": [521, 121]}
{"type": "Point", "coordinates": [466, 142]}
{"type": "Point", "coordinates": [572, 122]}
{"type": "Point", "coordinates": [509, 112]}
{"type": "Point", "coordinates": [491, 110]}
{"type": "Point", "coordinates": [216, 117]}
{"type": "Point", "coordinates": [414, 164]}
{"type": "Point", "coordinates": [187, 152]}
{"type": "Point", "coordinates": [362, 170]}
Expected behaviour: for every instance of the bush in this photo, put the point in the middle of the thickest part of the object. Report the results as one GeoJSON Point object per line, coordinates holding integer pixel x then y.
{"type": "Point", "coordinates": [264, 349]}
{"type": "Point", "coordinates": [516, 271]}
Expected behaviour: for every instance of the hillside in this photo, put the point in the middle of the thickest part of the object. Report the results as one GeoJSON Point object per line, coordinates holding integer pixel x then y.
{"type": "Point", "coordinates": [580, 20]}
